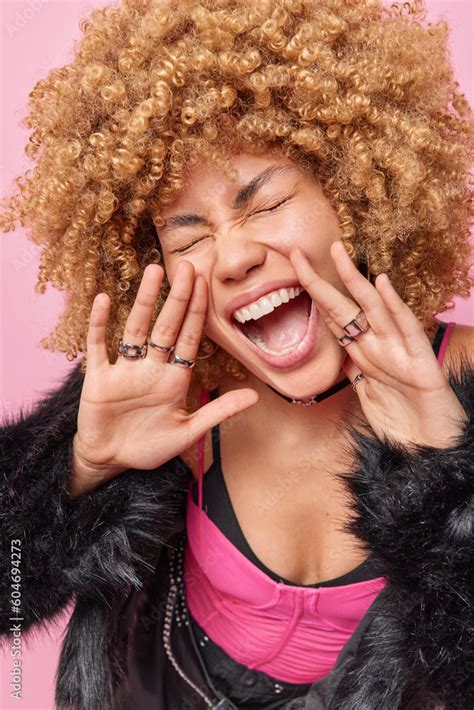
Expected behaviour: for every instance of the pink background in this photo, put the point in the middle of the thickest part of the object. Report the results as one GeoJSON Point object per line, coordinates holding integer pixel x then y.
{"type": "Point", "coordinates": [38, 35]}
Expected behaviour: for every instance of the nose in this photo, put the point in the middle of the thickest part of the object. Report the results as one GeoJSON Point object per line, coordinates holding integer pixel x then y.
{"type": "Point", "coordinates": [236, 257]}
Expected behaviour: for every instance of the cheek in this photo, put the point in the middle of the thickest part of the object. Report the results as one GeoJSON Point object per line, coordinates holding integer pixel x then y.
{"type": "Point", "coordinates": [285, 232]}
{"type": "Point", "coordinates": [171, 267]}
{"type": "Point", "coordinates": [309, 229]}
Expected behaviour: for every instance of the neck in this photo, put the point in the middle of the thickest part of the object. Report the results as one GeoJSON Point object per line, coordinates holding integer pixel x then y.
{"type": "Point", "coordinates": [293, 422]}
{"type": "Point", "coordinates": [316, 398]}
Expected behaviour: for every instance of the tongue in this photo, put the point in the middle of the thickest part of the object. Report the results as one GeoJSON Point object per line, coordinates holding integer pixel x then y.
{"type": "Point", "coordinates": [283, 328]}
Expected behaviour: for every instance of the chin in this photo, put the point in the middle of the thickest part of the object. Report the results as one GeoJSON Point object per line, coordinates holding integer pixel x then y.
{"type": "Point", "coordinates": [317, 376]}
{"type": "Point", "coordinates": [314, 374]}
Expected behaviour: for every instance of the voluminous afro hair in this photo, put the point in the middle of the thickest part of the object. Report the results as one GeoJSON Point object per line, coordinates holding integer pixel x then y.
{"type": "Point", "coordinates": [361, 93]}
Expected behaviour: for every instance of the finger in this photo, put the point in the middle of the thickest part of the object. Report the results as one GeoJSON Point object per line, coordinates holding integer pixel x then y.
{"type": "Point", "coordinates": [168, 323]}
{"type": "Point", "coordinates": [353, 349]}
{"type": "Point", "coordinates": [187, 343]}
{"type": "Point", "coordinates": [341, 308]}
{"type": "Point", "coordinates": [97, 356]}
{"type": "Point", "coordinates": [406, 321]}
{"type": "Point", "coordinates": [138, 321]}
{"type": "Point", "coordinates": [218, 410]}
{"type": "Point", "coordinates": [356, 375]}
{"type": "Point", "coordinates": [327, 297]}
{"type": "Point", "coordinates": [350, 369]}
{"type": "Point", "coordinates": [362, 290]}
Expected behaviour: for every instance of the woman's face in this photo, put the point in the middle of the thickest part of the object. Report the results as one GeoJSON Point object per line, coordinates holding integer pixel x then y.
{"type": "Point", "coordinates": [239, 236]}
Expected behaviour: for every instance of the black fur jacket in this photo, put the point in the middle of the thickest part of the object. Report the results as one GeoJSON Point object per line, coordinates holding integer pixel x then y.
{"type": "Point", "coordinates": [412, 510]}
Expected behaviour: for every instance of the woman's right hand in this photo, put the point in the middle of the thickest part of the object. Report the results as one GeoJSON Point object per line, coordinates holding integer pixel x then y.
{"type": "Point", "coordinates": [132, 414]}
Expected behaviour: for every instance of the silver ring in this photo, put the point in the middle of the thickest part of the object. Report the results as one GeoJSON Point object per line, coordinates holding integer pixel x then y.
{"type": "Point", "coordinates": [345, 340]}
{"type": "Point", "coordinates": [356, 379]}
{"type": "Point", "coordinates": [138, 351]}
{"type": "Point", "coordinates": [161, 348]}
{"type": "Point", "coordinates": [177, 360]}
{"type": "Point", "coordinates": [354, 328]}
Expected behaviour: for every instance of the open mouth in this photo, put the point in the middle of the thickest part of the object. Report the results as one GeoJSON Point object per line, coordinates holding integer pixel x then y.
{"type": "Point", "coordinates": [281, 331]}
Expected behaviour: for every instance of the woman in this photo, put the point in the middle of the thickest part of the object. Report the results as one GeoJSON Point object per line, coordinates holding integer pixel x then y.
{"type": "Point", "coordinates": [296, 170]}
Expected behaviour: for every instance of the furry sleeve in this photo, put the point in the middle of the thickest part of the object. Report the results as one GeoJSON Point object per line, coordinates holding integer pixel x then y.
{"type": "Point", "coordinates": [98, 542]}
{"type": "Point", "coordinates": [413, 510]}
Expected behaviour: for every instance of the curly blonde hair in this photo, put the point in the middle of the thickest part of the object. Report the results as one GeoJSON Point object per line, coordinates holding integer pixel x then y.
{"type": "Point", "coordinates": [361, 93]}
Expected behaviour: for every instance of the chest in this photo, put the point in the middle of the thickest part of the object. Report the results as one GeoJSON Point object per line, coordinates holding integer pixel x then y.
{"type": "Point", "coordinates": [289, 506]}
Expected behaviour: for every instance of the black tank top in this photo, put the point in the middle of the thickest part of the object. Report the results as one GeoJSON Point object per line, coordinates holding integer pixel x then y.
{"type": "Point", "coordinates": [218, 507]}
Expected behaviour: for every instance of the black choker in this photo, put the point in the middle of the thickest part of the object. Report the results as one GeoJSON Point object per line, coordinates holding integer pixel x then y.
{"type": "Point", "coordinates": [316, 397]}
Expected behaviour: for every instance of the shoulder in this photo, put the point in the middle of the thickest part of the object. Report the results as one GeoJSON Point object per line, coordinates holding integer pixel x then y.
{"type": "Point", "coordinates": [461, 341]}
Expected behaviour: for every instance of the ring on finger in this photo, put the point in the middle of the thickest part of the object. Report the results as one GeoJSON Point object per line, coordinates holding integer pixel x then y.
{"type": "Point", "coordinates": [359, 324]}
{"type": "Point", "coordinates": [181, 361]}
{"type": "Point", "coordinates": [356, 379]}
{"type": "Point", "coordinates": [138, 351]}
{"type": "Point", "coordinates": [161, 348]}
{"type": "Point", "coordinates": [345, 340]}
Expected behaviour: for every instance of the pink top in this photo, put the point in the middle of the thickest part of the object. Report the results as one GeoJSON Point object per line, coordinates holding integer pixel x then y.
{"type": "Point", "coordinates": [293, 633]}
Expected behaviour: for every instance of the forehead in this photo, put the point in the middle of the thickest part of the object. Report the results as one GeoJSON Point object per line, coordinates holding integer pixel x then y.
{"type": "Point", "coordinates": [207, 184]}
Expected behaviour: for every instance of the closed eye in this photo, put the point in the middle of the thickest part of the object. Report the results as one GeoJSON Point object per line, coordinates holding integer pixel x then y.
{"type": "Point", "coordinates": [270, 209]}
{"type": "Point", "coordinates": [188, 246]}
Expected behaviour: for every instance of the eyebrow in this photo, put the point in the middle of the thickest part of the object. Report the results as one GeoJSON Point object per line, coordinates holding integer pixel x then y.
{"type": "Point", "coordinates": [242, 198]}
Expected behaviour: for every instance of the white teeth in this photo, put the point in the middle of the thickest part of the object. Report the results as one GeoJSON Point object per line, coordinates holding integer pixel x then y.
{"type": "Point", "coordinates": [266, 304]}
{"type": "Point", "coordinates": [254, 311]}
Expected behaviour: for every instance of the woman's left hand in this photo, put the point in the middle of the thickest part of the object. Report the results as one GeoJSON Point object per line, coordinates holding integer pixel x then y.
{"type": "Point", "coordinates": [404, 393]}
